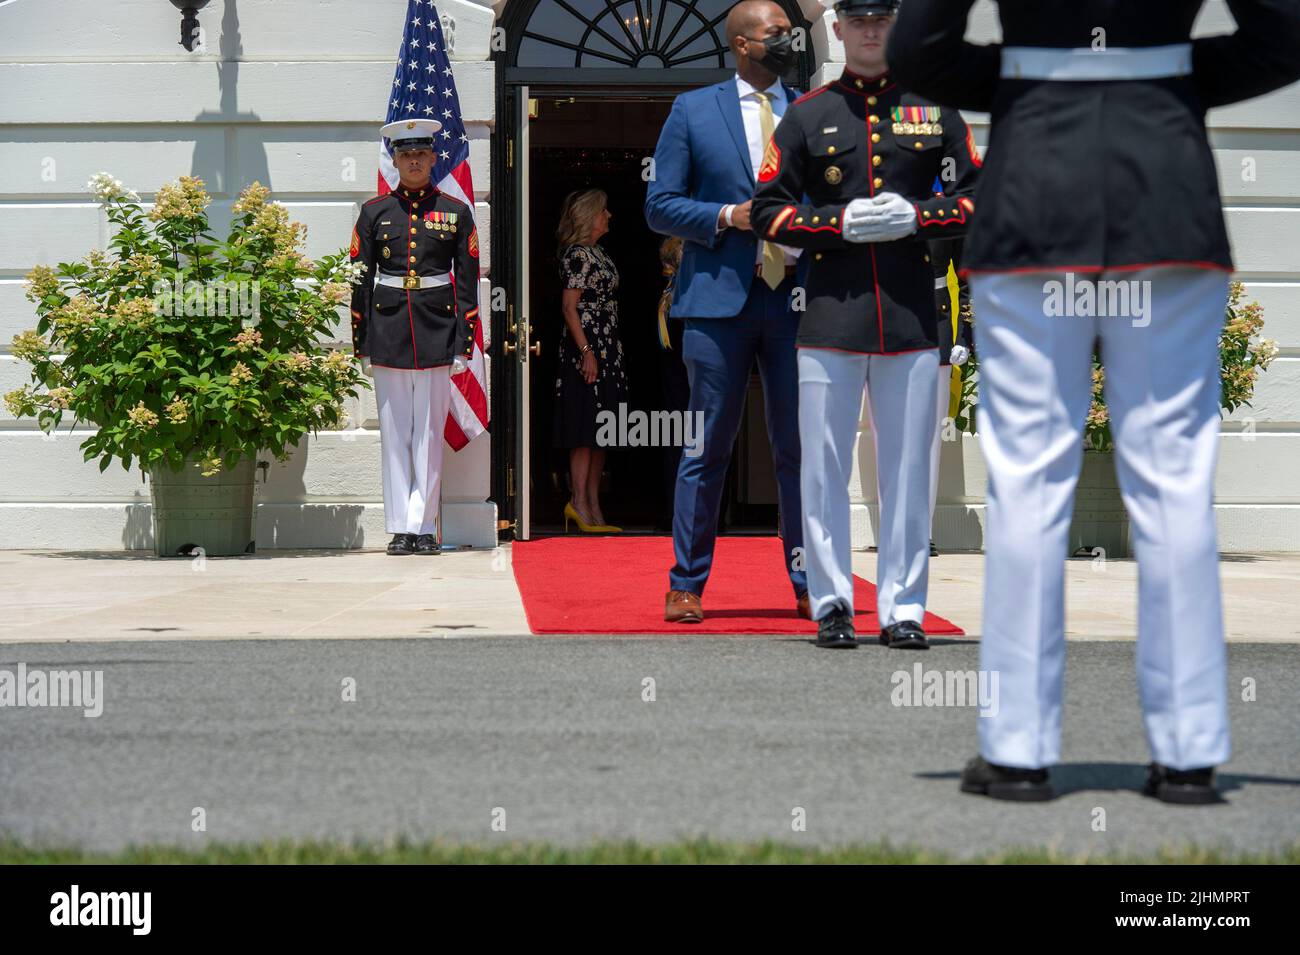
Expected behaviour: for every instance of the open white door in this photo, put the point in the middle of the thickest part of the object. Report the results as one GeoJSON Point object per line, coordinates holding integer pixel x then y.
{"type": "Point", "coordinates": [518, 344]}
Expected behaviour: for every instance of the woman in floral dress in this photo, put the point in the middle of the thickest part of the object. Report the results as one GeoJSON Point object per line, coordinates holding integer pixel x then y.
{"type": "Point", "coordinates": [590, 378]}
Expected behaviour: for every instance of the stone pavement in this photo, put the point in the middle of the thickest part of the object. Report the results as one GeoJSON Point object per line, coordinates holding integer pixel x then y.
{"type": "Point", "coordinates": [57, 596]}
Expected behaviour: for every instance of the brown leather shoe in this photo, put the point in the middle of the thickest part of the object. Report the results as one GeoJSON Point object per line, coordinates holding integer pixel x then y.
{"type": "Point", "coordinates": [804, 606]}
{"type": "Point", "coordinates": [682, 606]}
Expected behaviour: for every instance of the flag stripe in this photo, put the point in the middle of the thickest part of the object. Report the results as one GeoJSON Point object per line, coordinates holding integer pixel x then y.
{"type": "Point", "coordinates": [424, 88]}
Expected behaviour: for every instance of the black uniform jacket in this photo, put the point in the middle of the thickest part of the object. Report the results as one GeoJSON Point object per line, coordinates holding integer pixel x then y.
{"type": "Point", "coordinates": [853, 138]}
{"type": "Point", "coordinates": [945, 252]}
{"type": "Point", "coordinates": [417, 232]}
{"type": "Point", "coordinates": [1092, 175]}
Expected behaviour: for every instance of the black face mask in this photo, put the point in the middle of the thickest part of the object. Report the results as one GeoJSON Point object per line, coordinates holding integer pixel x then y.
{"type": "Point", "coordinates": [778, 56]}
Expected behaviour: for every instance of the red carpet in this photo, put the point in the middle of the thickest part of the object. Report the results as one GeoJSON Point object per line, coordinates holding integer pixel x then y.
{"type": "Point", "coordinates": [617, 585]}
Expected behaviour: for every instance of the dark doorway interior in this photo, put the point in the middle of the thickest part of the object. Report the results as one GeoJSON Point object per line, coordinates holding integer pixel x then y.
{"type": "Point", "coordinates": [604, 141]}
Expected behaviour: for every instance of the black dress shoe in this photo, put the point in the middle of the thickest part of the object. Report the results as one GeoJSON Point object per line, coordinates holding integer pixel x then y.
{"type": "Point", "coordinates": [835, 630]}
{"type": "Point", "coordinates": [1005, 782]}
{"type": "Point", "coordinates": [401, 545]}
{"type": "Point", "coordinates": [904, 635]}
{"type": "Point", "coordinates": [1186, 787]}
{"type": "Point", "coordinates": [427, 544]}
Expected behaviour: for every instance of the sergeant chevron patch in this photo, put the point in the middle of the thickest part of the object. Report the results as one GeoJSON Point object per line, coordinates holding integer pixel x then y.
{"type": "Point", "coordinates": [771, 162]}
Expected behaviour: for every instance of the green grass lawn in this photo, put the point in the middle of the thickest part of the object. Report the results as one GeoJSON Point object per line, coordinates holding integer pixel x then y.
{"type": "Point", "coordinates": [703, 851]}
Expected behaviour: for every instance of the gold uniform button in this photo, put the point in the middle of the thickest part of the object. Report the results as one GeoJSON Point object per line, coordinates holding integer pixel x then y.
{"type": "Point", "coordinates": [955, 212]}
{"type": "Point", "coordinates": [920, 145]}
{"type": "Point", "coordinates": [817, 256]}
{"type": "Point", "coordinates": [926, 214]}
{"type": "Point", "coordinates": [798, 219]}
{"type": "Point", "coordinates": [927, 258]}
{"type": "Point", "coordinates": [412, 231]}
{"type": "Point", "coordinates": [830, 149]}
{"type": "Point", "coordinates": [412, 258]}
{"type": "Point", "coordinates": [415, 218]}
{"type": "Point", "coordinates": [816, 219]}
{"type": "Point", "coordinates": [412, 271]}
{"type": "Point", "coordinates": [834, 221]}
{"type": "Point", "coordinates": [875, 137]}
{"type": "Point", "coordinates": [876, 160]}
{"type": "Point", "coordinates": [413, 245]}
{"type": "Point", "coordinates": [877, 182]}
{"type": "Point", "coordinates": [871, 101]}
{"type": "Point", "coordinates": [873, 118]}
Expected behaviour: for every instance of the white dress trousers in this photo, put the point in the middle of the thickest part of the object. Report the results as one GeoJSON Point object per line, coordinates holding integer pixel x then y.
{"type": "Point", "coordinates": [412, 413]}
{"type": "Point", "coordinates": [901, 394]}
{"type": "Point", "coordinates": [1162, 392]}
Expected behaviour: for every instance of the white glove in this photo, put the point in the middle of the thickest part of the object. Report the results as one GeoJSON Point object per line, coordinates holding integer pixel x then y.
{"type": "Point", "coordinates": [365, 367]}
{"type": "Point", "coordinates": [856, 214]}
{"type": "Point", "coordinates": [958, 355]}
{"type": "Point", "coordinates": [883, 218]}
{"type": "Point", "coordinates": [459, 365]}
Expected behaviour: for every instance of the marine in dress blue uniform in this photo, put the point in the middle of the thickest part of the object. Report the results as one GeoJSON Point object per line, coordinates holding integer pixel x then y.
{"type": "Point", "coordinates": [413, 320]}
{"type": "Point", "coordinates": [1099, 176]}
{"type": "Point", "coordinates": [848, 178]}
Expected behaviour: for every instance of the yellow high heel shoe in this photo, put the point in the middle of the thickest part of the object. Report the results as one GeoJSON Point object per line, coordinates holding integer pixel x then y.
{"type": "Point", "coordinates": [572, 512]}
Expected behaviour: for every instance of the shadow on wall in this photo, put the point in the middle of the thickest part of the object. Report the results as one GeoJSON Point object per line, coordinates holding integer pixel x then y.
{"type": "Point", "coordinates": [210, 163]}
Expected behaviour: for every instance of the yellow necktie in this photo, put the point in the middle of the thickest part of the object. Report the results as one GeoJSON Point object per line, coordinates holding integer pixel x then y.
{"type": "Point", "coordinates": [773, 258]}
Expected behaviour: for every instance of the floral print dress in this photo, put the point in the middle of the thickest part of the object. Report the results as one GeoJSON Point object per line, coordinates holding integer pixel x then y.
{"type": "Point", "coordinates": [589, 267]}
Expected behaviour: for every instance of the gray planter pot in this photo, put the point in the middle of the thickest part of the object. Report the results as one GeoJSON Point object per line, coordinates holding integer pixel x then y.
{"type": "Point", "coordinates": [1100, 519]}
{"type": "Point", "coordinates": [192, 511]}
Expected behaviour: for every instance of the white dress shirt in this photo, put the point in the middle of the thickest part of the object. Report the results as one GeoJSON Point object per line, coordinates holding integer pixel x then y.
{"type": "Point", "coordinates": [754, 137]}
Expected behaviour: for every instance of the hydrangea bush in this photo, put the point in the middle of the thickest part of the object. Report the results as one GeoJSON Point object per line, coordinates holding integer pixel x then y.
{"type": "Point", "coordinates": [174, 345]}
{"type": "Point", "coordinates": [1242, 356]}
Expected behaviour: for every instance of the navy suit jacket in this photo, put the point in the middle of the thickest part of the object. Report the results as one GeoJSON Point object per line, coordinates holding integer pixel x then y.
{"type": "Point", "coordinates": [701, 164]}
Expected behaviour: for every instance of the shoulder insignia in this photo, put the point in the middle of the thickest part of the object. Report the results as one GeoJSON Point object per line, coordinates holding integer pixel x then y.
{"type": "Point", "coordinates": [356, 244]}
{"type": "Point", "coordinates": [473, 242]}
{"type": "Point", "coordinates": [970, 148]}
{"type": "Point", "coordinates": [771, 162]}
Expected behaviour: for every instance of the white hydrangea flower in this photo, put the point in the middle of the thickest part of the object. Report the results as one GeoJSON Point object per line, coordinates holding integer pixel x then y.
{"type": "Point", "coordinates": [107, 189]}
{"type": "Point", "coordinates": [348, 271]}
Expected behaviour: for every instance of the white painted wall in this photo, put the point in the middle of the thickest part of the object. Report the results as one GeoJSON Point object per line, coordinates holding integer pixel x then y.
{"type": "Point", "coordinates": [288, 92]}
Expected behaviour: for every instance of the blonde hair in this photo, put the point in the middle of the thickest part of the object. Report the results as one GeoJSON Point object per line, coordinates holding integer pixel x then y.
{"type": "Point", "coordinates": [577, 216]}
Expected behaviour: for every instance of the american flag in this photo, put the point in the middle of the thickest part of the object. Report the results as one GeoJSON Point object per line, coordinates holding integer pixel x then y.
{"type": "Point", "coordinates": [423, 88]}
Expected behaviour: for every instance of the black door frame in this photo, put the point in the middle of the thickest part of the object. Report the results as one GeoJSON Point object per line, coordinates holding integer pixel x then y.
{"type": "Point", "coordinates": [506, 273]}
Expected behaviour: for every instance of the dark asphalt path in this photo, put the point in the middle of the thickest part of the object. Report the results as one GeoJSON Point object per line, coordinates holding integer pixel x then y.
{"type": "Point", "coordinates": [555, 732]}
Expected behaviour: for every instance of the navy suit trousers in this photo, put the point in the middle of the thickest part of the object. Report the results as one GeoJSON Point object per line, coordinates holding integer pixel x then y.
{"type": "Point", "coordinates": [719, 353]}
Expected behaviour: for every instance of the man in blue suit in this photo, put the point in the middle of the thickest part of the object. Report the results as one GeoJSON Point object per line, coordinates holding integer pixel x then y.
{"type": "Point", "coordinates": [735, 293]}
